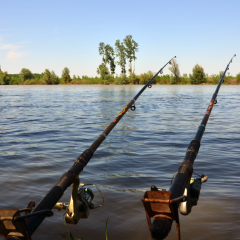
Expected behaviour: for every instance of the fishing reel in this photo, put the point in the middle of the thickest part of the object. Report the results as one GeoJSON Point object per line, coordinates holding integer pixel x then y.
{"type": "Point", "coordinates": [80, 202]}
{"type": "Point", "coordinates": [192, 191]}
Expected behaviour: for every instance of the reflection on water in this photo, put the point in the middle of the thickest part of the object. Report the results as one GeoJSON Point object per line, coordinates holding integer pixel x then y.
{"type": "Point", "coordinates": [43, 129]}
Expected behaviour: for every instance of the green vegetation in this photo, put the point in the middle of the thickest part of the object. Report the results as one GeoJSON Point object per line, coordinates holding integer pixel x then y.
{"type": "Point", "coordinates": [131, 47]}
{"type": "Point", "coordinates": [120, 53]}
{"type": "Point", "coordinates": [238, 77]}
{"type": "Point", "coordinates": [50, 77]}
{"type": "Point", "coordinates": [123, 51]}
{"type": "Point", "coordinates": [66, 75]}
{"type": "Point", "coordinates": [174, 69]}
{"type": "Point", "coordinates": [198, 76]}
{"type": "Point", "coordinates": [4, 78]}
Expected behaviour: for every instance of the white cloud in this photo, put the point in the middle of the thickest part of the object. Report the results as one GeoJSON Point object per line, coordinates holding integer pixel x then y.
{"type": "Point", "coordinates": [12, 50]}
{"type": "Point", "coordinates": [11, 55]}
{"type": "Point", "coordinates": [8, 47]}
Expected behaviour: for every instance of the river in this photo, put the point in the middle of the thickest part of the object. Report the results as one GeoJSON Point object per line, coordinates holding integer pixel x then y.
{"type": "Point", "coordinates": [43, 129]}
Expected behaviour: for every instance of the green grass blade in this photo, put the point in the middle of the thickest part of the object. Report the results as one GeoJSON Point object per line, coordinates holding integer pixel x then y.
{"type": "Point", "coordinates": [106, 229]}
{"type": "Point", "coordinates": [70, 234]}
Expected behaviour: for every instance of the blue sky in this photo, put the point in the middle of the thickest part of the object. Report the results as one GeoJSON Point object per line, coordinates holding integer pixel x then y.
{"type": "Point", "coordinates": [57, 34]}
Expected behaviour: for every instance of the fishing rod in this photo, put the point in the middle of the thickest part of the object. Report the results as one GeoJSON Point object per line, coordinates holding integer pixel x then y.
{"type": "Point", "coordinates": [19, 227]}
{"type": "Point", "coordinates": [184, 192]}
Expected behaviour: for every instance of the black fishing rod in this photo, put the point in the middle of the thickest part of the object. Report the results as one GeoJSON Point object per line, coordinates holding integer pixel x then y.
{"type": "Point", "coordinates": [163, 206]}
{"type": "Point", "coordinates": [27, 224]}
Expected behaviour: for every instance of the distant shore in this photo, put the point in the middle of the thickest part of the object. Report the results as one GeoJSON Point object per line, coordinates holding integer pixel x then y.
{"type": "Point", "coordinates": [131, 80]}
{"type": "Point", "coordinates": [50, 78]}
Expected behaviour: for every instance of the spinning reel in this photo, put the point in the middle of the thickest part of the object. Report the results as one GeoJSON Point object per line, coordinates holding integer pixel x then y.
{"type": "Point", "coordinates": [192, 193]}
{"type": "Point", "coordinates": [80, 202]}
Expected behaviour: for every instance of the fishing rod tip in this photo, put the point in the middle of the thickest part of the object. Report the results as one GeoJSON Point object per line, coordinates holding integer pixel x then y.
{"type": "Point", "coordinates": [176, 56]}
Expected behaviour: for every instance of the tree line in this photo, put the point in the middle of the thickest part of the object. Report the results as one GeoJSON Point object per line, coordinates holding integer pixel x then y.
{"type": "Point", "coordinates": [26, 77]}
{"type": "Point", "coordinates": [198, 76]}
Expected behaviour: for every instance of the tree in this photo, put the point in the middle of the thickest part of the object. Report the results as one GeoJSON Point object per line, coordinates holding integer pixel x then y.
{"type": "Point", "coordinates": [66, 75]}
{"type": "Point", "coordinates": [25, 74]}
{"type": "Point", "coordinates": [54, 78]}
{"type": "Point", "coordinates": [175, 71]}
{"type": "Point", "coordinates": [120, 53]}
{"type": "Point", "coordinates": [4, 78]}
{"type": "Point", "coordinates": [103, 71]}
{"type": "Point", "coordinates": [47, 76]}
{"type": "Point", "coordinates": [101, 50]}
{"type": "Point", "coordinates": [131, 47]}
{"type": "Point", "coordinates": [50, 77]}
{"type": "Point", "coordinates": [107, 53]}
{"type": "Point", "coordinates": [198, 76]}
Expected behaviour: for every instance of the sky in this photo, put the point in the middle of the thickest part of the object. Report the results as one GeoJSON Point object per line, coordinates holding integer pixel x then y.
{"type": "Point", "coordinates": [41, 35]}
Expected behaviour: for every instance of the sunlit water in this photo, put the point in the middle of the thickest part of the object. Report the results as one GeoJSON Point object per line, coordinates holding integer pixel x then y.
{"type": "Point", "coordinates": [43, 129]}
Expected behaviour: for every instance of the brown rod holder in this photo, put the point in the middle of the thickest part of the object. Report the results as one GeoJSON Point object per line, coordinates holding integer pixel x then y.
{"type": "Point", "coordinates": [160, 204]}
{"type": "Point", "coordinates": [13, 225]}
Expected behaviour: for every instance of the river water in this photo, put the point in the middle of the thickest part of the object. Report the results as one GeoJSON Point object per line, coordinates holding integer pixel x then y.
{"type": "Point", "coordinates": [43, 129]}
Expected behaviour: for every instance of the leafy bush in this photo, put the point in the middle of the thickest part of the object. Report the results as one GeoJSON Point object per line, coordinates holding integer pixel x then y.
{"type": "Point", "coordinates": [15, 81]}
{"type": "Point", "coordinates": [164, 79]}
{"type": "Point", "coordinates": [34, 82]}
{"type": "Point", "coordinates": [174, 79]}
{"type": "Point", "coordinates": [66, 75]}
{"type": "Point", "coordinates": [121, 80]}
{"type": "Point", "coordinates": [184, 80]}
{"type": "Point", "coordinates": [76, 81]}
{"type": "Point", "coordinates": [198, 76]}
{"type": "Point", "coordinates": [50, 77]}
{"type": "Point", "coordinates": [25, 74]}
{"type": "Point", "coordinates": [175, 71]}
{"type": "Point", "coordinates": [4, 78]}
{"type": "Point", "coordinates": [133, 79]}
{"type": "Point", "coordinates": [145, 77]}
{"type": "Point", "coordinates": [103, 71]}
{"type": "Point", "coordinates": [238, 77]}
{"type": "Point", "coordinates": [105, 82]}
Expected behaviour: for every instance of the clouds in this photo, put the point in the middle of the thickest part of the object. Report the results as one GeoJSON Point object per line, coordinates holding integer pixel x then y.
{"type": "Point", "coordinates": [11, 55]}
{"type": "Point", "coordinates": [12, 51]}
{"type": "Point", "coordinates": [8, 47]}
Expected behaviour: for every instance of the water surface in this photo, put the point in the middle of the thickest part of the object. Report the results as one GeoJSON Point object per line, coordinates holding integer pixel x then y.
{"type": "Point", "coordinates": [43, 129]}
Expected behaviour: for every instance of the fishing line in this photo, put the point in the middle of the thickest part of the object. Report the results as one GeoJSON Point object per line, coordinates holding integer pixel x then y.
{"type": "Point", "coordinates": [177, 173]}
{"type": "Point", "coordinates": [237, 59]}
{"type": "Point", "coordinates": [180, 65]}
